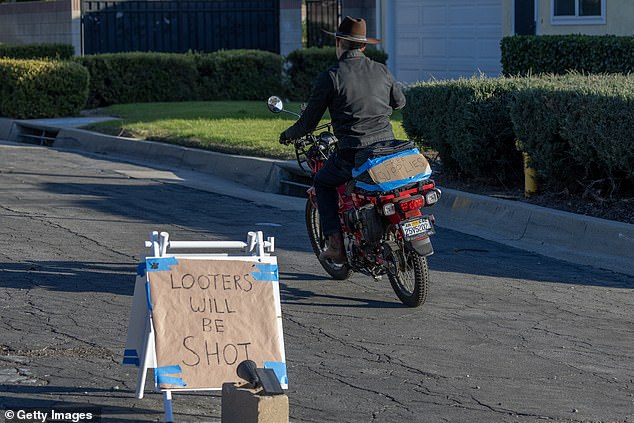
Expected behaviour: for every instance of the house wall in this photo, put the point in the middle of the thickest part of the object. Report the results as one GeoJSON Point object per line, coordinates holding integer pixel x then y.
{"type": "Point", "coordinates": [507, 17]}
{"type": "Point", "coordinates": [438, 39]}
{"type": "Point", "coordinates": [619, 20]}
{"type": "Point", "coordinates": [55, 21]}
{"type": "Point", "coordinates": [290, 26]}
{"type": "Point", "coordinates": [365, 9]}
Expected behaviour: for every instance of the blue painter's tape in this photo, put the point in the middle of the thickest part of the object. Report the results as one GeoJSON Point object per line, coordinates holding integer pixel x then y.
{"type": "Point", "coordinates": [133, 361]}
{"type": "Point", "coordinates": [160, 264]}
{"type": "Point", "coordinates": [169, 380]}
{"type": "Point", "coordinates": [388, 186]}
{"type": "Point", "coordinates": [161, 375]}
{"type": "Point", "coordinates": [131, 357]}
{"type": "Point", "coordinates": [149, 298]}
{"type": "Point", "coordinates": [373, 162]}
{"type": "Point", "coordinates": [280, 370]}
{"type": "Point", "coordinates": [272, 277]}
{"type": "Point", "coordinates": [140, 270]}
{"type": "Point", "coordinates": [168, 370]}
{"type": "Point", "coordinates": [266, 272]}
{"type": "Point", "coordinates": [266, 267]}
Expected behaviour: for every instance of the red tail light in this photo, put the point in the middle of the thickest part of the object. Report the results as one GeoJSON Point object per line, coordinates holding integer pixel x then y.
{"type": "Point", "coordinates": [412, 203]}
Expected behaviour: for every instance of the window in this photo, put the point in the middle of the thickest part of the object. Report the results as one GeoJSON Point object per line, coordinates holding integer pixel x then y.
{"type": "Point", "coordinates": [577, 12]}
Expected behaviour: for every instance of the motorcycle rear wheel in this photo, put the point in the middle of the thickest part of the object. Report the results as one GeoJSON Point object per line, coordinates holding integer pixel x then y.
{"type": "Point", "coordinates": [318, 242]}
{"type": "Point", "coordinates": [409, 276]}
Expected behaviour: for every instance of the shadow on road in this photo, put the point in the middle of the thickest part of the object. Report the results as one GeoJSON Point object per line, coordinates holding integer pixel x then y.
{"type": "Point", "coordinates": [70, 276]}
{"type": "Point", "coordinates": [460, 253]}
{"type": "Point", "coordinates": [296, 295]}
{"type": "Point", "coordinates": [172, 205]}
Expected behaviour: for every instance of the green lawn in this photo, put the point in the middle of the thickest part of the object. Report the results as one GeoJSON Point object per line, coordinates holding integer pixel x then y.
{"type": "Point", "coordinates": [239, 127]}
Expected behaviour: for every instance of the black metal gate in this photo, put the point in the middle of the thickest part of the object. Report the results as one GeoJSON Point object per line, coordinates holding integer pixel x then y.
{"type": "Point", "coordinates": [179, 26]}
{"type": "Point", "coordinates": [321, 14]}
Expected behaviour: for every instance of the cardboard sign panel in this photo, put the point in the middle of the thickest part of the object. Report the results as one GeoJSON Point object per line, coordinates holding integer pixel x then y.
{"type": "Point", "coordinates": [393, 171]}
{"type": "Point", "coordinates": [211, 314]}
{"type": "Point", "coordinates": [399, 168]}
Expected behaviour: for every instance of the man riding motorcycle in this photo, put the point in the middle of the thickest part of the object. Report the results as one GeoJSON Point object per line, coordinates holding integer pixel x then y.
{"type": "Point", "coordinates": [360, 95]}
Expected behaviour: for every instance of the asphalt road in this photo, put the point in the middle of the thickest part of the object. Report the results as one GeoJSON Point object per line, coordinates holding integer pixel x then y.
{"type": "Point", "coordinates": [505, 336]}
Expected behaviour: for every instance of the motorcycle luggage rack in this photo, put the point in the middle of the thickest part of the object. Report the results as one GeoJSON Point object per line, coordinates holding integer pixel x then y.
{"type": "Point", "coordinates": [397, 192]}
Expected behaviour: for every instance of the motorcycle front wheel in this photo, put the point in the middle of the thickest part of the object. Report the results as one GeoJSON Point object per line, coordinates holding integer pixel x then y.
{"type": "Point", "coordinates": [408, 274]}
{"type": "Point", "coordinates": [318, 242]}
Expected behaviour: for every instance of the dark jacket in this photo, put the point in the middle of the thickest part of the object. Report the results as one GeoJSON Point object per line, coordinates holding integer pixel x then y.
{"type": "Point", "coordinates": [360, 95]}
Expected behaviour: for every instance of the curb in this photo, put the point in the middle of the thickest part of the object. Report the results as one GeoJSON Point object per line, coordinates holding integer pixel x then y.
{"type": "Point", "coordinates": [257, 173]}
{"type": "Point", "coordinates": [567, 236]}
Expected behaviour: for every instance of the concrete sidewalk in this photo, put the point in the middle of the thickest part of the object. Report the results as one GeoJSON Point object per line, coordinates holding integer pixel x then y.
{"type": "Point", "coordinates": [579, 239]}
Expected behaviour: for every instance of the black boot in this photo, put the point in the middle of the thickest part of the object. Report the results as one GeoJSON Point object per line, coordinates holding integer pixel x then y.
{"type": "Point", "coordinates": [335, 252]}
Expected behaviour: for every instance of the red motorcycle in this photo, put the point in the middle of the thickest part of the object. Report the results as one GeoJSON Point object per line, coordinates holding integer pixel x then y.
{"type": "Point", "coordinates": [385, 228]}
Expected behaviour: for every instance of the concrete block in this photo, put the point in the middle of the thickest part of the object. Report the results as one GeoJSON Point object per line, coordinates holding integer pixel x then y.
{"type": "Point", "coordinates": [243, 405]}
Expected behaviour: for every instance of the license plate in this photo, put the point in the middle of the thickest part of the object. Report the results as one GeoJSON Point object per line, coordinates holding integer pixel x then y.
{"type": "Point", "coordinates": [417, 227]}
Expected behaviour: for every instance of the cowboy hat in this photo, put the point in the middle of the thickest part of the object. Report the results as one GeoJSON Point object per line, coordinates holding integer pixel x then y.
{"type": "Point", "coordinates": [353, 29]}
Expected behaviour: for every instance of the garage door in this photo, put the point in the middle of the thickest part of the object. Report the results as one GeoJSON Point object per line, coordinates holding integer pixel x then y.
{"type": "Point", "coordinates": [433, 39]}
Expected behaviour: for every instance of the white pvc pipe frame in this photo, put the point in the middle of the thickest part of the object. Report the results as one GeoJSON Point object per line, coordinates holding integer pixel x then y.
{"type": "Point", "coordinates": [255, 244]}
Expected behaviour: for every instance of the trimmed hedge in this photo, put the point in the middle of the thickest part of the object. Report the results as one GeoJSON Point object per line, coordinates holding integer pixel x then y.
{"type": "Point", "coordinates": [304, 65]}
{"type": "Point", "coordinates": [162, 77]}
{"type": "Point", "coordinates": [467, 123]}
{"type": "Point", "coordinates": [140, 78]}
{"type": "Point", "coordinates": [578, 130]}
{"type": "Point", "coordinates": [37, 51]}
{"type": "Point", "coordinates": [239, 75]}
{"type": "Point", "coordinates": [36, 89]}
{"type": "Point", "coordinates": [222, 75]}
{"type": "Point", "coordinates": [427, 116]}
{"type": "Point", "coordinates": [557, 54]}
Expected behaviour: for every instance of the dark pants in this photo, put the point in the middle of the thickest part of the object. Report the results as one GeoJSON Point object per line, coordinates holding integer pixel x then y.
{"type": "Point", "coordinates": [336, 171]}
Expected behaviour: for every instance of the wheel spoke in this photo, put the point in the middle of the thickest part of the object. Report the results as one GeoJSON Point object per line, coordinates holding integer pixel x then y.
{"type": "Point", "coordinates": [318, 242]}
{"type": "Point", "coordinates": [411, 282]}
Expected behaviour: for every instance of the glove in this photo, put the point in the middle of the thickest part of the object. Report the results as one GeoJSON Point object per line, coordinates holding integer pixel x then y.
{"type": "Point", "coordinates": [283, 139]}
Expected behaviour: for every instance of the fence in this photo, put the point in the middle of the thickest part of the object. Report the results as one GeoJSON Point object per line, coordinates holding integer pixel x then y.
{"type": "Point", "coordinates": [321, 14]}
{"type": "Point", "coordinates": [179, 26]}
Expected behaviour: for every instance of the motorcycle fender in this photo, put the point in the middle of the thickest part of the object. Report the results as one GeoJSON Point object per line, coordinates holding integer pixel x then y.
{"type": "Point", "coordinates": [421, 246]}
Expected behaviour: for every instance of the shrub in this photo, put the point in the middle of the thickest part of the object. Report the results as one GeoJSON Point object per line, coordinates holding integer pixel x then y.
{"type": "Point", "coordinates": [38, 89]}
{"type": "Point", "coordinates": [305, 64]}
{"type": "Point", "coordinates": [140, 77]}
{"type": "Point", "coordinates": [468, 123]}
{"type": "Point", "coordinates": [239, 75]}
{"type": "Point", "coordinates": [37, 51]}
{"type": "Point", "coordinates": [535, 116]}
{"type": "Point", "coordinates": [558, 54]}
{"type": "Point", "coordinates": [481, 132]}
{"type": "Point", "coordinates": [578, 130]}
{"type": "Point", "coordinates": [426, 118]}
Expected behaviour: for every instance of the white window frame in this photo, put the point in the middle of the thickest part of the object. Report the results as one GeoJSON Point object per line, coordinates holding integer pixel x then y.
{"type": "Point", "coordinates": [576, 19]}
